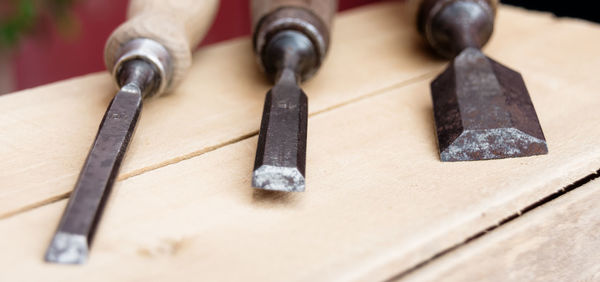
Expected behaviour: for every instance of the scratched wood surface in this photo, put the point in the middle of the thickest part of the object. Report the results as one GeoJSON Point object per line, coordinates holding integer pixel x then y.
{"type": "Point", "coordinates": [378, 202]}
{"type": "Point", "coordinates": [556, 242]}
{"type": "Point", "coordinates": [220, 103]}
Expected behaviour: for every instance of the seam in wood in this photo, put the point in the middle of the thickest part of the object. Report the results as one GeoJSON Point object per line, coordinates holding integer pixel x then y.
{"type": "Point", "coordinates": [243, 137]}
{"type": "Point", "coordinates": [137, 172]}
{"type": "Point", "coordinates": [27, 208]}
{"type": "Point", "coordinates": [380, 91]}
{"type": "Point", "coordinates": [502, 222]}
{"type": "Point", "coordinates": [186, 156]}
{"type": "Point", "coordinates": [255, 132]}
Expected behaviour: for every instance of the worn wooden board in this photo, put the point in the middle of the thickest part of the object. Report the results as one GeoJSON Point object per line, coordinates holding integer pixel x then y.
{"type": "Point", "coordinates": [51, 128]}
{"type": "Point", "coordinates": [220, 102]}
{"type": "Point", "coordinates": [558, 241]}
{"type": "Point", "coordinates": [378, 200]}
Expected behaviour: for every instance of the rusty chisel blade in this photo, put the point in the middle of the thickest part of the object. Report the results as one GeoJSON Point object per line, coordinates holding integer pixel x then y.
{"type": "Point", "coordinates": [281, 151]}
{"type": "Point", "coordinates": [483, 111]}
{"type": "Point", "coordinates": [290, 42]}
{"type": "Point", "coordinates": [148, 55]}
{"type": "Point", "coordinates": [71, 242]}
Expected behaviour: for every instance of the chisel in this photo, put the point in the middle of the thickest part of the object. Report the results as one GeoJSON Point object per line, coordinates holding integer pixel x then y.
{"type": "Point", "coordinates": [148, 55]}
{"type": "Point", "coordinates": [482, 109]}
{"type": "Point", "coordinates": [291, 39]}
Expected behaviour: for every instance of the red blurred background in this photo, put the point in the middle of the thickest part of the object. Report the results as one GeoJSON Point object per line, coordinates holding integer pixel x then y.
{"type": "Point", "coordinates": [50, 54]}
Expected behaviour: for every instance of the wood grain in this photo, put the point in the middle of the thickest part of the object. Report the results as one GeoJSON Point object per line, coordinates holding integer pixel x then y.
{"type": "Point", "coordinates": [556, 242]}
{"type": "Point", "coordinates": [178, 25]}
{"type": "Point", "coordinates": [379, 200]}
{"type": "Point", "coordinates": [219, 103]}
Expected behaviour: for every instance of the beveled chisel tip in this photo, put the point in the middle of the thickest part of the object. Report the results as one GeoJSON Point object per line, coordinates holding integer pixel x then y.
{"type": "Point", "coordinates": [496, 143]}
{"type": "Point", "coordinates": [286, 179]}
{"type": "Point", "coordinates": [483, 111]}
{"type": "Point", "coordinates": [67, 248]}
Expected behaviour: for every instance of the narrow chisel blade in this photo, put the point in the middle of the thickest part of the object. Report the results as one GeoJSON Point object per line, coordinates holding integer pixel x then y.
{"type": "Point", "coordinates": [71, 242]}
{"type": "Point", "coordinates": [281, 153]}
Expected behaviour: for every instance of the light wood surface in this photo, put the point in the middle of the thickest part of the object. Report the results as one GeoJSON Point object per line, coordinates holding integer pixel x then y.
{"type": "Point", "coordinates": [379, 200]}
{"type": "Point", "coordinates": [556, 242]}
{"type": "Point", "coordinates": [177, 24]}
{"type": "Point", "coordinates": [220, 103]}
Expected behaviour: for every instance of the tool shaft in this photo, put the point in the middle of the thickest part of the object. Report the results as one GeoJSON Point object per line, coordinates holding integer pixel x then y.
{"type": "Point", "coordinates": [78, 224]}
{"type": "Point", "coordinates": [147, 55]}
{"type": "Point", "coordinates": [99, 171]}
{"type": "Point", "coordinates": [291, 39]}
{"type": "Point", "coordinates": [281, 151]}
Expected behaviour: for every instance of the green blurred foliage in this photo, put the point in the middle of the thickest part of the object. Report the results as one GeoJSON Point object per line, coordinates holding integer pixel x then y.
{"type": "Point", "coordinates": [26, 14]}
{"type": "Point", "coordinates": [20, 22]}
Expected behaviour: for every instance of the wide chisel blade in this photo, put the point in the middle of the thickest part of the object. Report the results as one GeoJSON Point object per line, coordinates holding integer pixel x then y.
{"type": "Point", "coordinates": [483, 111]}
{"type": "Point", "coordinates": [75, 232]}
{"type": "Point", "coordinates": [482, 108]}
{"type": "Point", "coordinates": [281, 151]}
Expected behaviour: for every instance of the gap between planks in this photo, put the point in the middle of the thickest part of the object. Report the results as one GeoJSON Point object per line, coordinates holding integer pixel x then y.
{"type": "Point", "coordinates": [232, 141]}
{"type": "Point", "coordinates": [561, 192]}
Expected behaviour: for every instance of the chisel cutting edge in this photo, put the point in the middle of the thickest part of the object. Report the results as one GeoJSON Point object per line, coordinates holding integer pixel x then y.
{"type": "Point", "coordinates": [482, 109]}
{"type": "Point", "coordinates": [148, 55]}
{"type": "Point", "coordinates": [291, 38]}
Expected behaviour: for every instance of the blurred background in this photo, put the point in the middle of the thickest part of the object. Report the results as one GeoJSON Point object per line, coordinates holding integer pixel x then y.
{"type": "Point", "coordinates": [43, 41]}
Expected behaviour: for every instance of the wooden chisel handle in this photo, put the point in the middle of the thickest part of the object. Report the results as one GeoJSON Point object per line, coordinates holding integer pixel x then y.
{"type": "Point", "coordinates": [311, 17]}
{"type": "Point", "coordinates": [449, 26]}
{"type": "Point", "coordinates": [176, 25]}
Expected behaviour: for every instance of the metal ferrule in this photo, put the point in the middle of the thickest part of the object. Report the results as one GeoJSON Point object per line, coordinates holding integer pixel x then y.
{"type": "Point", "coordinates": [292, 18]}
{"type": "Point", "coordinates": [309, 29]}
{"type": "Point", "coordinates": [151, 52]}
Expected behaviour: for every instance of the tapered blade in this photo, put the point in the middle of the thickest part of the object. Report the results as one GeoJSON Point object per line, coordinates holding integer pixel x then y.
{"type": "Point", "coordinates": [70, 244]}
{"type": "Point", "coordinates": [483, 111]}
{"type": "Point", "coordinates": [281, 153]}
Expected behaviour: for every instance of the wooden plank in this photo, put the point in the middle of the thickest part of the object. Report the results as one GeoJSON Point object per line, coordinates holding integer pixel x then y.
{"type": "Point", "coordinates": [52, 127]}
{"type": "Point", "coordinates": [555, 242]}
{"type": "Point", "coordinates": [378, 202]}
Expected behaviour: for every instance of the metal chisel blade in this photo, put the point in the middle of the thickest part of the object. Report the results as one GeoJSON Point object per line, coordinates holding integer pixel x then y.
{"type": "Point", "coordinates": [281, 153]}
{"type": "Point", "coordinates": [71, 242]}
{"type": "Point", "coordinates": [483, 111]}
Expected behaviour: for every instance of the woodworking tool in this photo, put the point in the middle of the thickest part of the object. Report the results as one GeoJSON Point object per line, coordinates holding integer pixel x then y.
{"type": "Point", "coordinates": [291, 39]}
{"type": "Point", "coordinates": [482, 109]}
{"type": "Point", "coordinates": [148, 55]}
